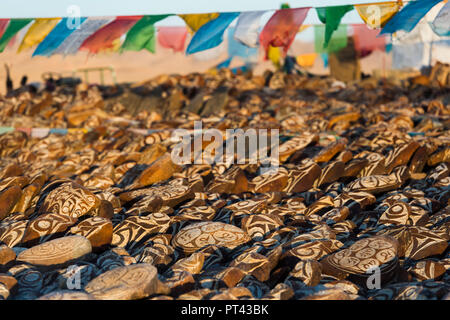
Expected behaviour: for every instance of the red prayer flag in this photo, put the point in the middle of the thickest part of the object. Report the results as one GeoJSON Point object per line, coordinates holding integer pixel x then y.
{"type": "Point", "coordinates": [281, 28]}
{"type": "Point", "coordinates": [3, 25]}
{"type": "Point", "coordinates": [366, 39]}
{"type": "Point", "coordinates": [172, 37]}
{"type": "Point", "coordinates": [105, 36]}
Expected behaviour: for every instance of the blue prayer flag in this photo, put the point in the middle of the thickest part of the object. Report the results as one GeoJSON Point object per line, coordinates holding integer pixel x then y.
{"type": "Point", "coordinates": [210, 35]}
{"type": "Point", "coordinates": [407, 18]}
{"type": "Point", "coordinates": [55, 38]}
{"type": "Point", "coordinates": [237, 49]}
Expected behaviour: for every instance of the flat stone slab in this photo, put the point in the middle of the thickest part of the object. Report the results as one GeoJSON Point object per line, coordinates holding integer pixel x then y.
{"type": "Point", "coordinates": [198, 235]}
{"type": "Point", "coordinates": [56, 252]}
{"type": "Point", "coordinates": [126, 283]}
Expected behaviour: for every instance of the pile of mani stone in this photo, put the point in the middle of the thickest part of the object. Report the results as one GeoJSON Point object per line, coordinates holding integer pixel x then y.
{"type": "Point", "coordinates": [359, 207]}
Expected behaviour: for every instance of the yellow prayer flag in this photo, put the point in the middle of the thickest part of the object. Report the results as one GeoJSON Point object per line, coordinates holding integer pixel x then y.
{"type": "Point", "coordinates": [37, 32]}
{"type": "Point", "coordinates": [376, 15]}
{"type": "Point", "coordinates": [77, 130]}
{"type": "Point", "coordinates": [195, 21]}
{"type": "Point", "coordinates": [306, 60]}
{"type": "Point", "coordinates": [274, 55]}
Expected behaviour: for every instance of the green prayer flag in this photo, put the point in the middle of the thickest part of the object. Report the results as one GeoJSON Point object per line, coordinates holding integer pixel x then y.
{"type": "Point", "coordinates": [142, 35]}
{"type": "Point", "coordinates": [332, 16]}
{"type": "Point", "coordinates": [321, 12]}
{"type": "Point", "coordinates": [337, 42]}
{"type": "Point", "coordinates": [14, 26]}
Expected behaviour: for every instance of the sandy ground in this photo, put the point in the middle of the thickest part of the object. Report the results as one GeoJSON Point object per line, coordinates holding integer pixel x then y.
{"type": "Point", "coordinates": [138, 66]}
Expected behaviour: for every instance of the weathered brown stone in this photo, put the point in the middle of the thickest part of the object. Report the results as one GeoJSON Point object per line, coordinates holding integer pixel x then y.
{"type": "Point", "coordinates": [47, 227]}
{"type": "Point", "coordinates": [253, 264]}
{"type": "Point", "coordinates": [127, 283]}
{"type": "Point", "coordinates": [198, 235]}
{"type": "Point", "coordinates": [257, 226]}
{"type": "Point", "coordinates": [302, 178]}
{"type": "Point", "coordinates": [417, 242]}
{"type": "Point", "coordinates": [308, 271]}
{"type": "Point", "coordinates": [135, 229]}
{"type": "Point", "coordinates": [358, 259]}
{"type": "Point", "coordinates": [428, 269]}
{"type": "Point", "coordinates": [192, 264]}
{"type": "Point", "coordinates": [8, 199]}
{"type": "Point", "coordinates": [70, 199]}
{"type": "Point", "coordinates": [331, 150]}
{"type": "Point", "coordinates": [66, 295]}
{"type": "Point", "coordinates": [97, 230]}
{"type": "Point", "coordinates": [7, 255]}
{"type": "Point", "coordinates": [56, 252]}
{"type": "Point", "coordinates": [161, 169]}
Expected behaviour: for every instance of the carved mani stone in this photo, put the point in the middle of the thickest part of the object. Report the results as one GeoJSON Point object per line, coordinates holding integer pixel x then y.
{"type": "Point", "coordinates": [70, 199]}
{"type": "Point", "coordinates": [358, 259]}
{"type": "Point", "coordinates": [56, 252]}
{"type": "Point", "coordinates": [126, 283]}
{"type": "Point", "coordinates": [198, 235]}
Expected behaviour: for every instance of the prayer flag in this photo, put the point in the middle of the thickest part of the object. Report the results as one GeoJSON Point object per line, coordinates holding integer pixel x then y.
{"type": "Point", "coordinates": [104, 38]}
{"type": "Point", "coordinates": [281, 28]}
{"type": "Point", "coordinates": [54, 39]}
{"type": "Point", "coordinates": [247, 27]}
{"type": "Point", "coordinates": [409, 16]}
{"type": "Point", "coordinates": [376, 15]}
{"type": "Point", "coordinates": [14, 26]}
{"type": "Point", "coordinates": [143, 34]}
{"type": "Point", "coordinates": [332, 16]}
{"type": "Point", "coordinates": [172, 37]}
{"type": "Point", "coordinates": [210, 35]}
{"type": "Point", "coordinates": [37, 32]}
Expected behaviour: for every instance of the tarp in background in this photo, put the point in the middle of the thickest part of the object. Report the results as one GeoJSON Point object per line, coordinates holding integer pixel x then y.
{"type": "Point", "coordinates": [210, 35]}
{"type": "Point", "coordinates": [143, 34]}
{"type": "Point", "coordinates": [104, 38]}
{"type": "Point", "coordinates": [247, 28]}
{"type": "Point", "coordinates": [237, 49]}
{"type": "Point", "coordinates": [407, 18]}
{"type": "Point", "coordinates": [306, 60]}
{"type": "Point", "coordinates": [274, 55]}
{"type": "Point", "coordinates": [337, 42]}
{"type": "Point", "coordinates": [369, 13]}
{"type": "Point", "coordinates": [421, 33]}
{"type": "Point", "coordinates": [408, 56]}
{"type": "Point", "coordinates": [14, 26]}
{"type": "Point", "coordinates": [54, 39]}
{"type": "Point", "coordinates": [441, 24]}
{"type": "Point", "coordinates": [73, 42]}
{"type": "Point", "coordinates": [281, 29]}
{"type": "Point", "coordinates": [331, 16]}
{"type": "Point", "coordinates": [172, 37]}
{"type": "Point", "coordinates": [195, 21]}
{"type": "Point", "coordinates": [37, 32]}
{"type": "Point", "coordinates": [440, 51]}
{"type": "Point", "coordinates": [344, 64]}
{"type": "Point", "coordinates": [324, 57]}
